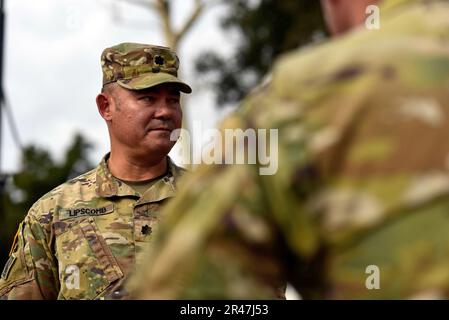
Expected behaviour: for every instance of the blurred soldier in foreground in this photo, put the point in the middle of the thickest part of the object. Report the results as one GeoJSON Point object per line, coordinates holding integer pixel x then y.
{"type": "Point", "coordinates": [359, 206]}
{"type": "Point", "coordinates": [81, 238]}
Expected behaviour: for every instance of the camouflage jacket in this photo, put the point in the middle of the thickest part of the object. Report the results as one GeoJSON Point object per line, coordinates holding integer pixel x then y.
{"type": "Point", "coordinates": [79, 239]}
{"type": "Point", "coordinates": [359, 206]}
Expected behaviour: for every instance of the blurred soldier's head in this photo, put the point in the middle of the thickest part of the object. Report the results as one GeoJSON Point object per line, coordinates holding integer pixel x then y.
{"type": "Point", "coordinates": [343, 15]}
{"type": "Point", "coordinates": [140, 98]}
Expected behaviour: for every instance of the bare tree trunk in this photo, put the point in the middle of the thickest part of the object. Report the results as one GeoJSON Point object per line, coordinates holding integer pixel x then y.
{"type": "Point", "coordinates": [172, 36]}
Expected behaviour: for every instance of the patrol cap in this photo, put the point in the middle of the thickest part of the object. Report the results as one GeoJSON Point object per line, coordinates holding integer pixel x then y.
{"type": "Point", "coordinates": [136, 66]}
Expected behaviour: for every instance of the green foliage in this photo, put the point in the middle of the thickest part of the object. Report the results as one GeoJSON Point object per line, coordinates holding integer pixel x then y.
{"type": "Point", "coordinates": [267, 29]}
{"type": "Point", "coordinates": [39, 173]}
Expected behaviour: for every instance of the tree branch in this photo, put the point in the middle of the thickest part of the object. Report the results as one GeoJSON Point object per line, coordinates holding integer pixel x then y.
{"type": "Point", "coordinates": [199, 6]}
{"type": "Point", "coordinates": [163, 8]}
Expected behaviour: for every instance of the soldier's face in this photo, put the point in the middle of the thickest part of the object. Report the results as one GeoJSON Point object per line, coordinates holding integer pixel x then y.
{"type": "Point", "coordinates": [142, 121]}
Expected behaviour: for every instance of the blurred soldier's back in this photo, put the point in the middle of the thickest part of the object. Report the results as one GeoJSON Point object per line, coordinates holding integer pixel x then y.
{"type": "Point", "coordinates": [359, 206]}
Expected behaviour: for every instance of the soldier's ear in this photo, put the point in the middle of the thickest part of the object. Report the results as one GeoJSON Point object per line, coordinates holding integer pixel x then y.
{"type": "Point", "coordinates": [104, 106]}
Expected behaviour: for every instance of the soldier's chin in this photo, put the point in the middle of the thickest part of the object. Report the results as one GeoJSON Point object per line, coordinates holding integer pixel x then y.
{"type": "Point", "coordinates": [161, 145]}
{"type": "Point", "coordinates": [159, 135]}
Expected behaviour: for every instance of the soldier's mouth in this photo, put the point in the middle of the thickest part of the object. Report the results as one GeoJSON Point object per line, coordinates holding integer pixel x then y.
{"type": "Point", "coordinates": [160, 129]}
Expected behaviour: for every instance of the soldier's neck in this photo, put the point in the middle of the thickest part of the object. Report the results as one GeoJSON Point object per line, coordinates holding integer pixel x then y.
{"type": "Point", "coordinates": [129, 169]}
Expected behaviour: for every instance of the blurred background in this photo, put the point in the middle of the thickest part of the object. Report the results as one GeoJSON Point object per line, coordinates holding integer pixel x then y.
{"type": "Point", "coordinates": [50, 49]}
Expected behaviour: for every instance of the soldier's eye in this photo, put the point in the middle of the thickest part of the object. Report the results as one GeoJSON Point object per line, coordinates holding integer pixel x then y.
{"type": "Point", "coordinates": [173, 100]}
{"type": "Point", "coordinates": [147, 99]}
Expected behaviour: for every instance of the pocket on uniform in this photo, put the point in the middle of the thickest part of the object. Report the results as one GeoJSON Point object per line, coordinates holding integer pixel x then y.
{"type": "Point", "coordinates": [86, 264]}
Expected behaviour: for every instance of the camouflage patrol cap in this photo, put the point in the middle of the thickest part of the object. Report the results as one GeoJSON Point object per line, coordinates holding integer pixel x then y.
{"type": "Point", "coordinates": [137, 66]}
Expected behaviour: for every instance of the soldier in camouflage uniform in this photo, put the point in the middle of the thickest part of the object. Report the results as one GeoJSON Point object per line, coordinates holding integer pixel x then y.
{"type": "Point", "coordinates": [81, 238]}
{"type": "Point", "coordinates": [359, 206]}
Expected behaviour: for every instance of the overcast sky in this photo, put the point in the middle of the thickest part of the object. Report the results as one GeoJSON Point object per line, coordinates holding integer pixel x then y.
{"type": "Point", "coordinates": [53, 74]}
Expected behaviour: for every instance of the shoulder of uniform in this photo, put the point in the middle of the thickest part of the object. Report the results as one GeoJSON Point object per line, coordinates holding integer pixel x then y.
{"type": "Point", "coordinates": [360, 52]}
{"type": "Point", "coordinates": [85, 178]}
{"type": "Point", "coordinates": [63, 194]}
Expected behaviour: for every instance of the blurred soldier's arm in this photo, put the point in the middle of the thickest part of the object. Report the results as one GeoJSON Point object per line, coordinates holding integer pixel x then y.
{"type": "Point", "coordinates": [221, 236]}
{"type": "Point", "coordinates": [359, 205]}
{"type": "Point", "coordinates": [31, 270]}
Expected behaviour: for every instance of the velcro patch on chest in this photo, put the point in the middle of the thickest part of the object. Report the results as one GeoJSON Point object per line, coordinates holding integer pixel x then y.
{"type": "Point", "coordinates": [84, 212]}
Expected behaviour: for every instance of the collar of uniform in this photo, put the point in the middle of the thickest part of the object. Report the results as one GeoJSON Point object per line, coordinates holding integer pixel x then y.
{"type": "Point", "coordinates": [107, 186]}
{"type": "Point", "coordinates": [165, 187]}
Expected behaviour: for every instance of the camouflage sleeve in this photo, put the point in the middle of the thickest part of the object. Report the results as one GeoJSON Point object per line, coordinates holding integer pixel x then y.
{"type": "Point", "coordinates": [212, 232]}
{"type": "Point", "coordinates": [31, 270]}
